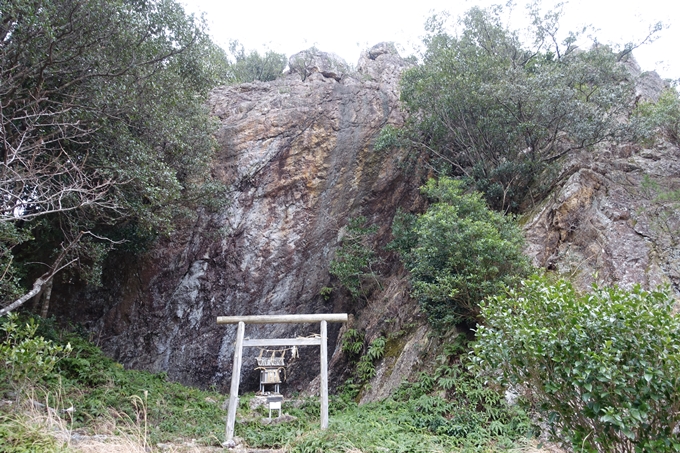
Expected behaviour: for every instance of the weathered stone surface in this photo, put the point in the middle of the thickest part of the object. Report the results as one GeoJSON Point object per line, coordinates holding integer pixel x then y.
{"type": "Point", "coordinates": [394, 369]}
{"type": "Point", "coordinates": [298, 157]}
{"type": "Point", "coordinates": [381, 62]}
{"type": "Point", "coordinates": [390, 313]}
{"type": "Point", "coordinates": [297, 154]}
{"type": "Point", "coordinates": [313, 61]}
{"type": "Point", "coordinates": [648, 84]}
{"type": "Point", "coordinates": [610, 222]}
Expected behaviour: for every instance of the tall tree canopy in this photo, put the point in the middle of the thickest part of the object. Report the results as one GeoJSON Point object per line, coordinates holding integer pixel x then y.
{"type": "Point", "coordinates": [104, 131]}
{"type": "Point", "coordinates": [491, 109]}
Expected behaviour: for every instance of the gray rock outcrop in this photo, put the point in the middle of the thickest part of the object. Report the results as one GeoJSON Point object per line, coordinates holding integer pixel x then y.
{"type": "Point", "coordinates": [313, 61]}
{"type": "Point", "coordinates": [614, 217]}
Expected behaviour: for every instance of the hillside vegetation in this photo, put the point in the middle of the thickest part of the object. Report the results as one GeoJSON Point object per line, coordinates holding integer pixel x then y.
{"type": "Point", "coordinates": [59, 379]}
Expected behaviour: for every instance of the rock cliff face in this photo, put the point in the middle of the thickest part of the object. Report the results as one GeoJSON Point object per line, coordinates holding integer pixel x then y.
{"type": "Point", "coordinates": [612, 220]}
{"type": "Point", "coordinates": [614, 217]}
{"type": "Point", "coordinates": [298, 156]}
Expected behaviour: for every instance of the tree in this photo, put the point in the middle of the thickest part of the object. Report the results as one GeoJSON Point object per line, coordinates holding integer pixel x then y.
{"type": "Point", "coordinates": [103, 127]}
{"type": "Point", "coordinates": [486, 107]}
{"type": "Point", "coordinates": [458, 253]}
{"type": "Point", "coordinates": [603, 368]}
{"type": "Point", "coordinates": [251, 66]}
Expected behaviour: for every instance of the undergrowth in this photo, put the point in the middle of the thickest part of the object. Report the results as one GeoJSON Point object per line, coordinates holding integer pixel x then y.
{"type": "Point", "coordinates": [101, 391]}
{"type": "Point", "coordinates": [448, 410]}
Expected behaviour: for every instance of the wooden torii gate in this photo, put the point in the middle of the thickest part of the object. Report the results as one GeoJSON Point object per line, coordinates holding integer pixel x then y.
{"type": "Point", "coordinates": [323, 319]}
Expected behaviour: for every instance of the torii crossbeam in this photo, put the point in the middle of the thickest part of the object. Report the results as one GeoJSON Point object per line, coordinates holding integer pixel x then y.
{"type": "Point", "coordinates": [323, 319]}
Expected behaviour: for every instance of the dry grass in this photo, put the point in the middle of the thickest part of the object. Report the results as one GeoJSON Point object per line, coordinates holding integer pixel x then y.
{"type": "Point", "coordinates": [45, 417]}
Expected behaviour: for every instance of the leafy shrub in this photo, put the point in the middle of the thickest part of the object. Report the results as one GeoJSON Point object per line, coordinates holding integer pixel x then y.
{"type": "Point", "coordinates": [364, 360]}
{"type": "Point", "coordinates": [326, 292]}
{"type": "Point", "coordinates": [26, 357]}
{"type": "Point", "coordinates": [603, 368]}
{"type": "Point", "coordinates": [454, 402]}
{"type": "Point", "coordinates": [663, 116]}
{"type": "Point", "coordinates": [118, 133]}
{"type": "Point", "coordinates": [355, 259]}
{"type": "Point", "coordinates": [366, 364]}
{"type": "Point", "coordinates": [458, 252]}
{"type": "Point", "coordinates": [352, 344]}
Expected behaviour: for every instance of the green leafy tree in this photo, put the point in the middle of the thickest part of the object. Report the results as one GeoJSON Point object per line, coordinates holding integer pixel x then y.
{"type": "Point", "coordinates": [489, 108]}
{"type": "Point", "coordinates": [104, 132]}
{"type": "Point", "coordinates": [458, 252]}
{"type": "Point", "coordinates": [251, 66]}
{"type": "Point", "coordinates": [602, 367]}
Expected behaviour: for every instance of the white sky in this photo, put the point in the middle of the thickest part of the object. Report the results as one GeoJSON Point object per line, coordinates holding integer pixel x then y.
{"type": "Point", "coordinates": [347, 27]}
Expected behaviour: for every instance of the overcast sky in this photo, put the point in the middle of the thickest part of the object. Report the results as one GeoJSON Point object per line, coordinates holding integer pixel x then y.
{"type": "Point", "coordinates": [350, 26]}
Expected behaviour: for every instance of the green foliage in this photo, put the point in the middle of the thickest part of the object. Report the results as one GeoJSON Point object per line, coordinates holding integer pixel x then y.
{"type": "Point", "coordinates": [34, 354]}
{"type": "Point", "coordinates": [26, 358]}
{"type": "Point", "coordinates": [425, 423]}
{"type": "Point", "coordinates": [454, 402]}
{"type": "Point", "coordinates": [366, 365]}
{"type": "Point", "coordinates": [363, 358]}
{"type": "Point", "coordinates": [98, 386]}
{"type": "Point", "coordinates": [458, 253]}
{"type": "Point", "coordinates": [603, 367]}
{"type": "Point", "coordinates": [662, 115]}
{"type": "Point", "coordinates": [389, 137]}
{"type": "Point", "coordinates": [442, 412]}
{"type": "Point", "coordinates": [326, 292]}
{"type": "Point", "coordinates": [352, 344]}
{"type": "Point", "coordinates": [249, 67]}
{"type": "Point", "coordinates": [105, 126]}
{"type": "Point", "coordinates": [355, 259]}
{"type": "Point", "coordinates": [10, 237]}
{"type": "Point", "coordinates": [489, 108]}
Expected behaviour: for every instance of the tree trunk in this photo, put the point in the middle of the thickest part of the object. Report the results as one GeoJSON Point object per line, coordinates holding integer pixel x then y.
{"type": "Point", "coordinates": [37, 286]}
{"type": "Point", "coordinates": [46, 299]}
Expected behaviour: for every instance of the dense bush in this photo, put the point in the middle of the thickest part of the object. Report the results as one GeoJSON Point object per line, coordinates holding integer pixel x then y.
{"type": "Point", "coordinates": [458, 252]}
{"type": "Point", "coordinates": [452, 401]}
{"type": "Point", "coordinates": [603, 367]}
{"type": "Point", "coordinates": [106, 135]}
{"type": "Point", "coordinates": [251, 66]}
